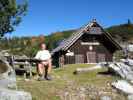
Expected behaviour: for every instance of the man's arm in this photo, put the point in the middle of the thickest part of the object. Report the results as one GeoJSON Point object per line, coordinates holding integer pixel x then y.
{"type": "Point", "coordinates": [37, 55]}
{"type": "Point", "coordinates": [49, 55]}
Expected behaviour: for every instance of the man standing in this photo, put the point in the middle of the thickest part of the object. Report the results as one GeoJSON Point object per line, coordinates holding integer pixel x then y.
{"type": "Point", "coordinates": [44, 66]}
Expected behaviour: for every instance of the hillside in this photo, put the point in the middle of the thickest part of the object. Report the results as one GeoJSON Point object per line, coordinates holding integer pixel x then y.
{"type": "Point", "coordinates": [123, 32]}
{"type": "Point", "coordinates": [55, 38]}
{"type": "Point", "coordinates": [29, 45]}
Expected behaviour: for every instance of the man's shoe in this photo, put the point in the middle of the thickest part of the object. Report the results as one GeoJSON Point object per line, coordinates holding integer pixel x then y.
{"type": "Point", "coordinates": [48, 77]}
{"type": "Point", "coordinates": [41, 78]}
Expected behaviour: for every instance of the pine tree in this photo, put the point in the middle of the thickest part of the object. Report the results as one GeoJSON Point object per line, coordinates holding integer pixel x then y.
{"type": "Point", "coordinates": [11, 14]}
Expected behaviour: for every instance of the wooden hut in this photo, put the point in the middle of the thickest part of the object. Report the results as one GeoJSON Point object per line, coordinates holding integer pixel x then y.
{"type": "Point", "coordinates": [89, 44]}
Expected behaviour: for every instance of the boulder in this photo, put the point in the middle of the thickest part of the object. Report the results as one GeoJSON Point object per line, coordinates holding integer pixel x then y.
{"type": "Point", "coordinates": [7, 75]}
{"type": "Point", "coordinates": [123, 86]}
{"type": "Point", "coordinates": [8, 83]}
{"type": "Point", "coordinates": [130, 97]}
{"type": "Point", "coordinates": [6, 94]}
{"type": "Point", "coordinates": [123, 70]}
{"type": "Point", "coordinates": [127, 61]}
{"type": "Point", "coordinates": [105, 98]}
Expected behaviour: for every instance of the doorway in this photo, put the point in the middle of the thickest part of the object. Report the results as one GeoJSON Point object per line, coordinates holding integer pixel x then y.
{"type": "Point", "coordinates": [91, 57]}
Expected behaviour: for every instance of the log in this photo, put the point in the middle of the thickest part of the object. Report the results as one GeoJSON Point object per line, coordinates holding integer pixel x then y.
{"type": "Point", "coordinates": [83, 70]}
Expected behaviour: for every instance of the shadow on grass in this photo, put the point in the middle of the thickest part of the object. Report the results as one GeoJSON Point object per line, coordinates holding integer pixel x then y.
{"type": "Point", "coordinates": [21, 72]}
{"type": "Point", "coordinates": [107, 73]}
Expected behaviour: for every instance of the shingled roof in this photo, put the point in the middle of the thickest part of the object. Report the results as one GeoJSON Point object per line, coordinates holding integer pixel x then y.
{"type": "Point", "coordinates": [76, 35]}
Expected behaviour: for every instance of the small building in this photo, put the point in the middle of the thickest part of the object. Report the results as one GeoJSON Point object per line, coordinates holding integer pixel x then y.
{"type": "Point", "coordinates": [89, 44]}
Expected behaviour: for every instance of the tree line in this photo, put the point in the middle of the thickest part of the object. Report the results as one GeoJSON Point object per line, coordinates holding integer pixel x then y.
{"type": "Point", "coordinates": [30, 45]}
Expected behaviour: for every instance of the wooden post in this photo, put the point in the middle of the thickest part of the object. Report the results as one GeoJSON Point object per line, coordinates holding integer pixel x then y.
{"type": "Point", "coordinates": [12, 62]}
{"type": "Point", "coordinates": [30, 71]}
{"type": "Point", "coordinates": [28, 68]}
{"type": "Point", "coordinates": [61, 61]}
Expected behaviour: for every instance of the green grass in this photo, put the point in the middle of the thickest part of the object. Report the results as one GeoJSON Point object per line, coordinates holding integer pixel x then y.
{"type": "Point", "coordinates": [63, 77]}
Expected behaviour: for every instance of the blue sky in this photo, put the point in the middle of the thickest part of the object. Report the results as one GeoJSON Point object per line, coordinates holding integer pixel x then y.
{"type": "Point", "coordinates": [47, 16]}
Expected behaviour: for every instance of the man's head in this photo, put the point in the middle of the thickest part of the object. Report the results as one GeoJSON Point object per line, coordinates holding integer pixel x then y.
{"type": "Point", "coordinates": [43, 46]}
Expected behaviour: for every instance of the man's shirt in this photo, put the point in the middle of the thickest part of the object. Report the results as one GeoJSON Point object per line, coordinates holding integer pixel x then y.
{"type": "Point", "coordinates": [43, 55]}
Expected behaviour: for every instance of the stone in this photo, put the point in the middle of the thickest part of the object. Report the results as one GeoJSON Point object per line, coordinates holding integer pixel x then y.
{"type": "Point", "coordinates": [123, 86]}
{"type": "Point", "coordinates": [128, 61]}
{"type": "Point", "coordinates": [123, 70]}
{"type": "Point", "coordinates": [8, 77]}
{"type": "Point", "coordinates": [6, 94]}
{"type": "Point", "coordinates": [130, 97]}
{"type": "Point", "coordinates": [105, 98]}
{"type": "Point", "coordinates": [8, 83]}
{"type": "Point", "coordinates": [2, 56]}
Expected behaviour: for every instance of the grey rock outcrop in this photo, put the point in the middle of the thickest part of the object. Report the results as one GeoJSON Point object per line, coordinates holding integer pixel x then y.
{"type": "Point", "coordinates": [105, 98]}
{"type": "Point", "coordinates": [7, 75]}
{"type": "Point", "coordinates": [6, 94]}
{"type": "Point", "coordinates": [130, 97]}
{"type": "Point", "coordinates": [8, 87]}
{"type": "Point", "coordinates": [123, 86]}
{"type": "Point", "coordinates": [123, 69]}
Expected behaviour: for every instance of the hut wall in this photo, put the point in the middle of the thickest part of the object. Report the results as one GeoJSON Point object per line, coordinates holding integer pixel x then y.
{"type": "Point", "coordinates": [86, 53]}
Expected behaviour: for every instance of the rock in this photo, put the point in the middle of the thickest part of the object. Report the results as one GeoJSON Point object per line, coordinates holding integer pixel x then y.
{"type": "Point", "coordinates": [82, 89]}
{"type": "Point", "coordinates": [8, 83]}
{"type": "Point", "coordinates": [6, 94]}
{"type": "Point", "coordinates": [8, 77]}
{"type": "Point", "coordinates": [128, 61]}
{"type": "Point", "coordinates": [105, 98]}
{"type": "Point", "coordinates": [123, 86]}
{"type": "Point", "coordinates": [2, 56]}
{"type": "Point", "coordinates": [123, 70]}
{"type": "Point", "coordinates": [130, 97]}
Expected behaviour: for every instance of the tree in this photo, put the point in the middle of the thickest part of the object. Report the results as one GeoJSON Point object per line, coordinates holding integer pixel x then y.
{"type": "Point", "coordinates": [11, 13]}
{"type": "Point", "coordinates": [129, 22]}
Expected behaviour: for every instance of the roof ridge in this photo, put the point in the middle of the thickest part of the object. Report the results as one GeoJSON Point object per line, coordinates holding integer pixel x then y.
{"type": "Point", "coordinates": [76, 35]}
{"type": "Point", "coordinates": [72, 37]}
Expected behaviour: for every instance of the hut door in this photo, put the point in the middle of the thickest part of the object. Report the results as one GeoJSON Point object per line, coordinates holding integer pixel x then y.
{"type": "Point", "coordinates": [101, 57]}
{"type": "Point", "coordinates": [79, 58]}
{"type": "Point", "coordinates": [91, 57]}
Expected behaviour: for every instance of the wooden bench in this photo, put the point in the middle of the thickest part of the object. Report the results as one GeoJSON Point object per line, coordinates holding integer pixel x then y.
{"type": "Point", "coordinates": [24, 64]}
